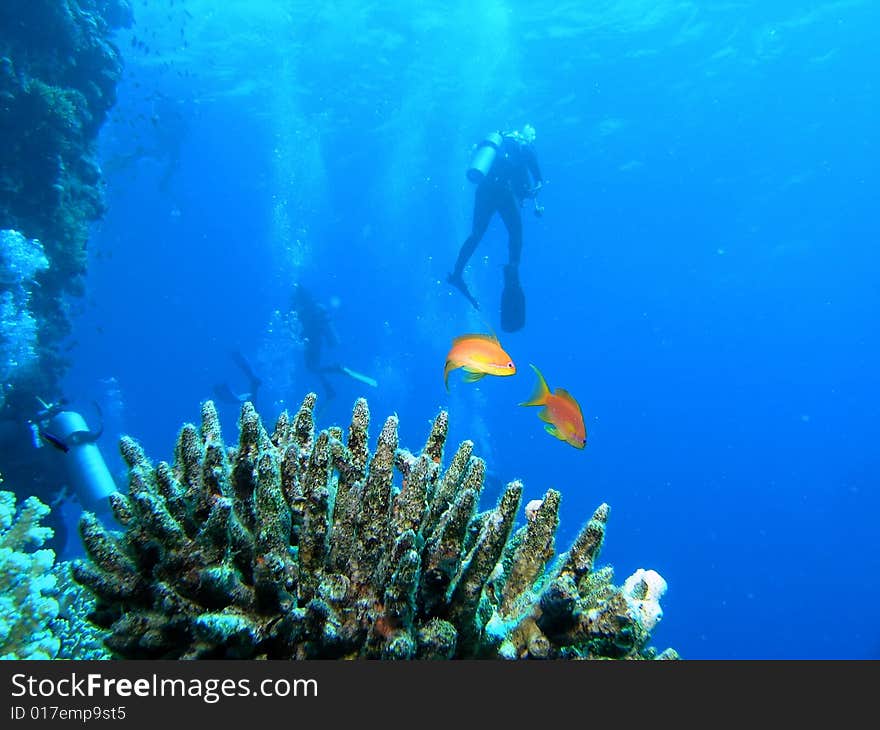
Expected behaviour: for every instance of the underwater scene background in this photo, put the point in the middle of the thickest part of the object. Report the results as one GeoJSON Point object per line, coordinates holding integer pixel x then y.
{"type": "Point", "coordinates": [704, 279]}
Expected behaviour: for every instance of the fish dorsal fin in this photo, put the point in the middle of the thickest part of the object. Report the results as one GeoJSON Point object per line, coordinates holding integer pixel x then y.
{"type": "Point", "coordinates": [475, 336]}
{"type": "Point", "coordinates": [492, 335]}
{"type": "Point", "coordinates": [566, 396]}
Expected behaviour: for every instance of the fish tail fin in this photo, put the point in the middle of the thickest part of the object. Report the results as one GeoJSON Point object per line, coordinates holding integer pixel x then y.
{"type": "Point", "coordinates": [539, 396]}
{"type": "Point", "coordinates": [450, 366]}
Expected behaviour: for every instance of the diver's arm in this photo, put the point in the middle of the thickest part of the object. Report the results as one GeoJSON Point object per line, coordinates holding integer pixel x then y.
{"type": "Point", "coordinates": [534, 169]}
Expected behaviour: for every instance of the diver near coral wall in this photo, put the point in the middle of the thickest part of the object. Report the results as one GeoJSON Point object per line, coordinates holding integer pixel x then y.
{"type": "Point", "coordinates": [317, 330]}
{"type": "Point", "coordinates": [161, 142]}
{"type": "Point", "coordinates": [59, 426]}
{"type": "Point", "coordinates": [501, 167]}
{"type": "Point", "coordinates": [57, 459]}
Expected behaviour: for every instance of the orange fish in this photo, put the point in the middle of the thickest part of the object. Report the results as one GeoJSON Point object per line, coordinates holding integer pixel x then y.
{"type": "Point", "coordinates": [479, 355]}
{"type": "Point", "coordinates": [562, 414]}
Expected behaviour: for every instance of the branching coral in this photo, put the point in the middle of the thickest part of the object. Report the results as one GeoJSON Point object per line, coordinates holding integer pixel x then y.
{"type": "Point", "coordinates": [302, 545]}
{"type": "Point", "coordinates": [78, 638]}
{"type": "Point", "coordinates": [43, 613]}
{"type": "Point", "coordinates": [26, 582]}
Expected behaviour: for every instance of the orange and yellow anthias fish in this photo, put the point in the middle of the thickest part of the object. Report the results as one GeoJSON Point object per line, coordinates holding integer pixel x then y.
{"type": "Point", "coordinates": [478, 355]}
{"type": "Point", "coordinates": [561, 415]}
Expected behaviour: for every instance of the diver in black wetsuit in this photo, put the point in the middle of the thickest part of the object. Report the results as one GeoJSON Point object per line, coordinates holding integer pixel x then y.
{"type": "Point", "coordinates": [317, 329]}
{"type": "Point", "coordinates": [502, 166]}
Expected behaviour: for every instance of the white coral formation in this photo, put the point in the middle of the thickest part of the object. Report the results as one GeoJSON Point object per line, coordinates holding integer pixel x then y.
{"type": "Point", "coordinates": [532, 509]}
{"type": "Point", "coordinates": [21, 260]}
{"type": "Point", "coordinates": [643, 591]}
{"type": "Point", "coordinates": [77, 636]}
{"type": "Point", "coordinates": [26, 582]}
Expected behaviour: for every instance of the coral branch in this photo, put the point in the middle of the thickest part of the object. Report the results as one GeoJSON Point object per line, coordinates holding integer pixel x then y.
{"type": "Point", "coordinates": [297, 545]}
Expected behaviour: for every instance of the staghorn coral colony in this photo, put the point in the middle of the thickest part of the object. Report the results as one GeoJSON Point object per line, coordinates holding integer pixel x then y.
{"type": "Point", "coordinates": [26, 581]}
{"type": "Point", "coordinates": [43, 613]}
{"type": "Point", "coordinates": [301, 545]}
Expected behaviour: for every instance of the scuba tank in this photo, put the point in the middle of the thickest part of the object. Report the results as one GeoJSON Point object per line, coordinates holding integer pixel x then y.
{"type": "Point", "coordinates": [89, 476]}
{"type": "Point", "coordinates": [483, 157]}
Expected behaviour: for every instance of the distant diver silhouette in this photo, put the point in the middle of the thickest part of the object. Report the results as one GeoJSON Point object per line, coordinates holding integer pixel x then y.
{"type": "Point", "coordinates": [225, 394]}
{"type": "Point", "coordinates": [318, 329]}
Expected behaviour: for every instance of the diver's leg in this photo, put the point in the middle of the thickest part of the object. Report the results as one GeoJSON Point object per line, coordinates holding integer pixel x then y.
{"type": "Point", "coordinates": [329, 391]}
{"type": "Point", "coordinates": [312, 353]}
{"type": "Point", "coordinates": [513, 301]}
{"type": "Point", "coordinates": [484, 207]}
{"type": "Point", "coordinates": [509, 211]}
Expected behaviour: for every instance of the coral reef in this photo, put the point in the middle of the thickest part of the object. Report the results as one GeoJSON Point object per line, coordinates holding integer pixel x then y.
{"type": "Point", "coordinates": [643, 591]}
{"type": "Point", "coordinates": [299, 544]}
{"type": "Point", "coordinates": [43, 613]}
{"type": "Point", "coordinates": [58, 74]}
{"type": "Point", "coordinates": [21, 260]}
{"type": "Point", "coordinates": [78, 638]}
{"type": "Point", "coordinates": [27, 605]}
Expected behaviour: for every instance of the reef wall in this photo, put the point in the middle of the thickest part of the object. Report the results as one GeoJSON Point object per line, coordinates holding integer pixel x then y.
{"type": "Point", "coordinates": [297, 545]}
{"type": "Point", "coordinates": [58, 74]}
{"type": "Point", "coordinates": [22, 260]}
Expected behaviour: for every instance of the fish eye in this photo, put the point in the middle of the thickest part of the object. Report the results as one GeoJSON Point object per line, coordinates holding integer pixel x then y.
{"type": "Point", "coordinates": [510, 364]}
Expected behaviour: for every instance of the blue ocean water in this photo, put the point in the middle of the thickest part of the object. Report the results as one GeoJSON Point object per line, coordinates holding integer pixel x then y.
{"type": "Point", "coordinates": [704, 279]}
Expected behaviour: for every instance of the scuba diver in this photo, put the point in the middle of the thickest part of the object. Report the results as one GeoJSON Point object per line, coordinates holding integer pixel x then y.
{"type": "Point", "coordinates": [316, 330]}
{"type": "Point", "coordinates": [224, 393]}
{"type": "Point", "coordinates": [502, 166]}
{"type": "Point", "coordinates": [73, 456]}
{"type": "Point", "coordinates": [56, 425]}
{"type": "Point", "coordinates": [162, 142]}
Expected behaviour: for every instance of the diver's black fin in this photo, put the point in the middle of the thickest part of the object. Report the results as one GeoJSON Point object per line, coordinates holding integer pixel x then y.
{"type": "Point", "coordinates": [458, 283]}
{"type": "Point", "coordinates": [513, 301]}
{"type": "Point", "coordinates": [245, 367]}
{"type": "Point", "coordinates": [224, 393]}
{"type": "Point", "coordinates": [253, 379]}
